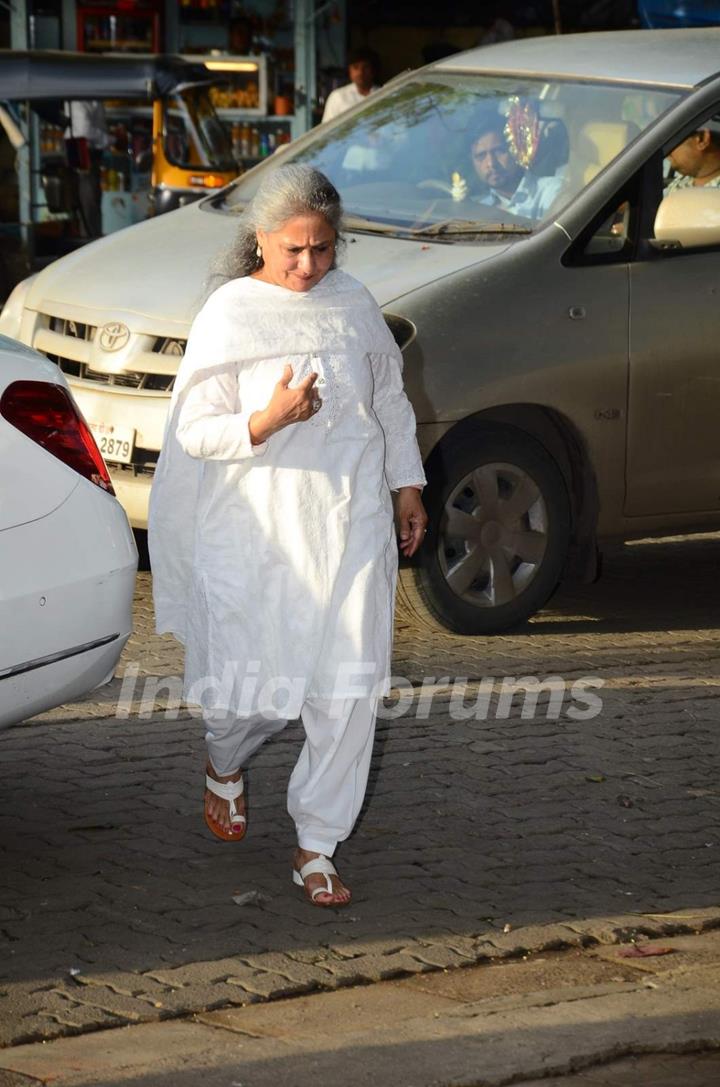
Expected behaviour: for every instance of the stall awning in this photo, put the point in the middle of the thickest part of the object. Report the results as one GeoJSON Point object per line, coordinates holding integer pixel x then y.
{"type": "Point", "coordinates": [43, 75]}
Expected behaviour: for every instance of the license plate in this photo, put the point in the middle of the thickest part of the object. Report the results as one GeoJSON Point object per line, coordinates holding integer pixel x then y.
{"type": "Point", "coordinates": [116, 443]}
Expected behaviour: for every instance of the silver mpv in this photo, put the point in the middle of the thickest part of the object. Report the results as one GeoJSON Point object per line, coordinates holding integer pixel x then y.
{"type": "Point", "coordinates": [554, 292]}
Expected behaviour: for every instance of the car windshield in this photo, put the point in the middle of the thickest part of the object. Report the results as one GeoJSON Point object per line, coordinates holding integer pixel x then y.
{"type": "Point", "coordinates": [194, 134]}
{"type": "Point", "coordinates": [460, 155]}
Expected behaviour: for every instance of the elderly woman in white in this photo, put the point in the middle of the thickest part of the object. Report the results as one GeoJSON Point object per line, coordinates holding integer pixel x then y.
{"type": "Point", "coordinates": [271, 520]}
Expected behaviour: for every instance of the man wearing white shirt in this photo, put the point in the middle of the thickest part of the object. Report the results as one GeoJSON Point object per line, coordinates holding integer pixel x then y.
{"type": "Point", "coordinates": [88, 122]}
{"type": "Point", "coordinates": [361, 69]}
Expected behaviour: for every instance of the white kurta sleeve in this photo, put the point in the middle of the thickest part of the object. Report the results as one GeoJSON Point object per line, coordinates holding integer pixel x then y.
{"type": "Point", "coordinates": [403, 463]}
{"type": "Point", "coordinates": [209, 426]}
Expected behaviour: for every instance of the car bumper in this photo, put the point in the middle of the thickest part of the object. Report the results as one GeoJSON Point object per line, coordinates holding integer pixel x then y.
{"type": "Point", "coordinates": [45, 686]}
{"type": "Point", "coordinates": [67, 604]}
{"type": "Point", "coordinates": [133, 493]}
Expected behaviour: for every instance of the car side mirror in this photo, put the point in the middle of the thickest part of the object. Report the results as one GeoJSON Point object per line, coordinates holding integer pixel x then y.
{"type": "Point", "coordinates": [689, 218]}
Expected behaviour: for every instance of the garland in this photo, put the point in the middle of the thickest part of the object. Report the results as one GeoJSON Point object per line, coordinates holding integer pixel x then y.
{"type": "Point", "coordinates": [522, 131]}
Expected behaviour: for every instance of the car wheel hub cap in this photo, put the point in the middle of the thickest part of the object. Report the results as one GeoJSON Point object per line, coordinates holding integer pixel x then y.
{"type": "Point", "coordinates": [493, 535]}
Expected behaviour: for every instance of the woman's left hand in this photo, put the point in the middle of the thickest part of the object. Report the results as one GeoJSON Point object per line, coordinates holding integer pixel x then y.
{"type": "Point", "coordinates": [411, 519]}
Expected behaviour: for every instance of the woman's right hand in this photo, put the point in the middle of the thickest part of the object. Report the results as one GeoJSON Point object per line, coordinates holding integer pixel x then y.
{"type": "Point", "coordinates": [286, 406]}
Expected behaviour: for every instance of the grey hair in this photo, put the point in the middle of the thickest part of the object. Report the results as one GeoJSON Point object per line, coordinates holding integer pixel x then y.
{"type": "Point", "coordinates": [287, 191]}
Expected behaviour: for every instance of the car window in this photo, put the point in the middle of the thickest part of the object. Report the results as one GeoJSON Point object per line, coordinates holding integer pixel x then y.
{"type": "Point", "coordinates": [611, 237]}
{"type": "Point", "coordinates": [194, 135]}
{"type": "Point", "coordinates": [452, 153]}
{"type": "Point", "coordinates": [683, 204]}
{"type": "Point", "coordinates": [695, 159]}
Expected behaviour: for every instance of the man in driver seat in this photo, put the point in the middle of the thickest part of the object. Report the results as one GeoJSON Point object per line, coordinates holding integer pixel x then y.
{"type": "Point", "coordinates": [507, 184]}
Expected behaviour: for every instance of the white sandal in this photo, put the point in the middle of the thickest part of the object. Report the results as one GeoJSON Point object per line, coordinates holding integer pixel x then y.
{"type": "Point", "coordinates": [324, 866]}
{"type": "Point", "coordinates": [230, 791]}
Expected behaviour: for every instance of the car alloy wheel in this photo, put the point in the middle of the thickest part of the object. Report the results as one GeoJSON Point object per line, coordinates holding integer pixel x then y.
{"type": "Point", "coordinates": [498, 532]}
{"type": "Point", "coordinates": [493, 535]}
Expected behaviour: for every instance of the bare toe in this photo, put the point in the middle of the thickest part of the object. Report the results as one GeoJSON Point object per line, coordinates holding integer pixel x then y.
{"type": "Point", "coordinates": [218, 809]}
{"type": "Point", "coordinates": [316, 881]}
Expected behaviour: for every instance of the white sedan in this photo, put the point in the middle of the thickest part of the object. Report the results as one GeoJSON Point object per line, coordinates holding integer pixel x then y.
{"type": "Point", "coordinates": [67, 554]}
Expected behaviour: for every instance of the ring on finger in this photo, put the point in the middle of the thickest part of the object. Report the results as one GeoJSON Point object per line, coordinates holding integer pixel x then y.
{"type": "Point", "coordinates": [316, 404]}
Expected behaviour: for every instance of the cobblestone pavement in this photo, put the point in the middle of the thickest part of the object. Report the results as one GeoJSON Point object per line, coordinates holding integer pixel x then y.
{"type": "Point", "coordinates": [479, 838]}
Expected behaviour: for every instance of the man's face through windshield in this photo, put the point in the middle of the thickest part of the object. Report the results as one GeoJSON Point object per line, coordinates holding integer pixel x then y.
{"type": "Point", "coordinates": [494, 164]}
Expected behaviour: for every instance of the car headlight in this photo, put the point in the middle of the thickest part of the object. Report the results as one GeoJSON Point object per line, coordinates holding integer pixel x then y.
{"type": "Point", "coordinates": [12, 311]}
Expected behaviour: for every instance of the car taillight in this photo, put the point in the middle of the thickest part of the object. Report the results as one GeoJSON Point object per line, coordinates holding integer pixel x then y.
{"type": "Point", "coordinates": [48, 415]}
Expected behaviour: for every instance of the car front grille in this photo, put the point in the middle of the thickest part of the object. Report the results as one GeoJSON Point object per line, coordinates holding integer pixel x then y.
{"type": "Point", "coordinates": [75, 330]}
{"type": "Point", "coordinates": [69, 357]}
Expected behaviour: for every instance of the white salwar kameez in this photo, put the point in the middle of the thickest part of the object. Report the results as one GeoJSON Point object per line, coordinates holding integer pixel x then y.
{"type": "Point", "coordinates": [276, 564]}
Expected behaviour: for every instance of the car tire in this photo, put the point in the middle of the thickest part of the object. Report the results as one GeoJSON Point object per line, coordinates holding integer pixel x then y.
{"type": "Point", "coordinates": [498, 533]}
{"type": "Point", "coordinates": [141, 542]}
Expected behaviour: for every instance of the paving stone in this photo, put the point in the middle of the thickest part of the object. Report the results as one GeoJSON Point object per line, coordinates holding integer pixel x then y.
{"type": "Point", "coordinates": [123, 984]}
{"type": "Point", "coordinates": [539, 938]}
{"type": "Point", "coordinates": [439, 955]}
{"type": "Point", "coordinates": [469, 825]}
{"type": "Point", "coordinates": [363, 946]}
{"type": "Point", "coordinates": [269, 986]}
{"type": "Point", "coordinates": [309, 955]}
{"type": "Point", "coordinates": [485, 951]}
{"type": "Point", "coordinates": [198, 972]}
{"type": "Point", "coordinates": [98, 998]}
{"type": "Point", "coordinates": [188, 999]}
{"type": "Point", "coordinates": [303, 974]}
{"type": "Point", "coordinates": [615, 930]}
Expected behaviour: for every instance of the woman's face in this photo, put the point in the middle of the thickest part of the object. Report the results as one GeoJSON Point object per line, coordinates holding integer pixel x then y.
{"type": "Point", "coordinates": [299, 254]}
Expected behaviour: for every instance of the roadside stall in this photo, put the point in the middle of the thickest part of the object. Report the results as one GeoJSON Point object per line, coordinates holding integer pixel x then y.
{"type": "Point", "coordinates": [247, 100]}
{"type": "Point", "coordinates": [164, 147]}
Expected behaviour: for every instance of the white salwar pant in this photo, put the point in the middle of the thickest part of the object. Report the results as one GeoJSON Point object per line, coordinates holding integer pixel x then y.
{"type": "Point", "coordinates": [327, 786]}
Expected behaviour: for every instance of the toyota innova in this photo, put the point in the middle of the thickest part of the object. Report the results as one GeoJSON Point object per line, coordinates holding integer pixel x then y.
{"type": "Point", "coordinates": [559, 342]}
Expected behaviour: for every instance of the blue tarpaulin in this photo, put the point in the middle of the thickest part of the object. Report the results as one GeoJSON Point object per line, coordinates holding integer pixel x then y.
{"type": "Point", "coordinates": [671, 13]}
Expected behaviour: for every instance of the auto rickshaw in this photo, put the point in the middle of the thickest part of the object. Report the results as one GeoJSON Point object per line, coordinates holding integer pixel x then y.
{"type": "Point", "coordinates": [184, 151]}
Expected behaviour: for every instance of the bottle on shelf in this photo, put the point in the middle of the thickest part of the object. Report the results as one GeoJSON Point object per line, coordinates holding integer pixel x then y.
{"type": "Point", "coordinates": [114, 180]}
{"type": "Point", "coordinates": [236, 141]}
{"type": "Point", "coordinates": [245, 140]}
{"type": "Point", "coordinates": [51, 140]}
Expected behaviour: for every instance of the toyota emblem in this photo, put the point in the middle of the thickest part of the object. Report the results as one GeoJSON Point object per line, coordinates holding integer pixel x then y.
{"type": "Point", "coordinates": [114, 336]}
